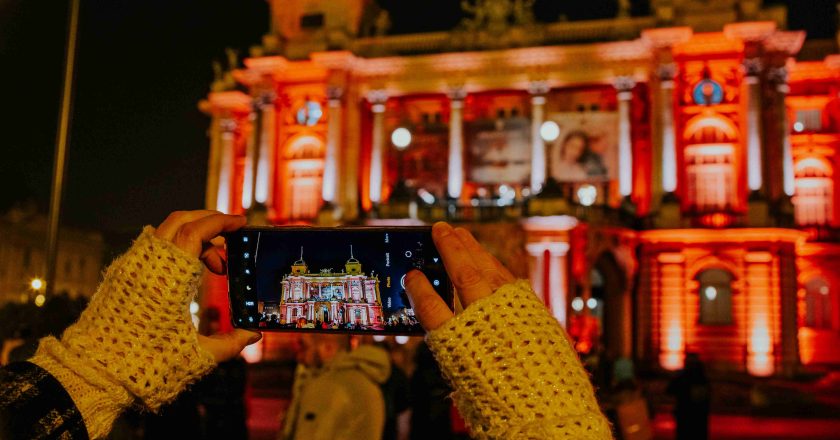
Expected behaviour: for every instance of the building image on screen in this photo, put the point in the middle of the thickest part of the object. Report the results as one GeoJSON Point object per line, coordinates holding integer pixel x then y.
{"type": "Point", "coordinates": [326, 285]}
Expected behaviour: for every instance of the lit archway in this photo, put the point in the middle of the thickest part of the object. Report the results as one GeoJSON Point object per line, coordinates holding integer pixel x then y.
{"type": "Point", "coordinates": [710, 141]}
{"type": "Point", "coordinates": [302, 177]}
{"type": "Point", "coordinates": [813, 195]}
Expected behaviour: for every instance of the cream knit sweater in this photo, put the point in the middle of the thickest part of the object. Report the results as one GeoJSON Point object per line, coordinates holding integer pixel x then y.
{"type": "Point", "coordinates": [514, 371]}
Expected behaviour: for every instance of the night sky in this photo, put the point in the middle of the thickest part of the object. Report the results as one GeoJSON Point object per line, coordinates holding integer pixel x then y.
{"type": "Point", "coordinates": [138, 142]}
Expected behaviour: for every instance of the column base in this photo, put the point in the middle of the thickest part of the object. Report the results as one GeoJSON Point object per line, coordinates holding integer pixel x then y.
{"type": "Point", "coordinates": [550, 201]}
{"type": "Point", "coordinates": [783, 212]}
{"type": "Point", "coordinates": [257, 215]}
{"type": "Point", "coordinates": [758, 211]}
{"type": "Point", "coordinates": [669, 215]}
{"type": "Point", "coordinates": [329, 215]}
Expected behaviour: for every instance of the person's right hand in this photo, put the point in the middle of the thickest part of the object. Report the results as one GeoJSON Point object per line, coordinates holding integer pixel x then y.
{"type": "Point", "coordinates": [473, 271]}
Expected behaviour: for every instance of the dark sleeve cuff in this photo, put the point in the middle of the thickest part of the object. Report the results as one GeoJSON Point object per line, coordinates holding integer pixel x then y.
{"type": "Point", "coordinates": [33, 404]}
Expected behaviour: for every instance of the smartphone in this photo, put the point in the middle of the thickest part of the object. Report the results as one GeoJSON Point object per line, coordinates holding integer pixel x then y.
{"type": "Point", "coordinates": [344, 280]}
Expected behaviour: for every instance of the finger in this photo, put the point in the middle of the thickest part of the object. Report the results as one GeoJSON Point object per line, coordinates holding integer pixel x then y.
{"type": "Point", "coordinates": [494, 272]}
{"type": "Point", "coordinates": [213, 259]}
{"type": "Point", "coordinates": [227, 346]}
{"type": "Point", "coordinates": [175, 220]}
{"type": "Point", "coordinates": [428, 306]}
{"type": "Point", "coordinates": [467, 279]}
{"type": "Point", "coordinates": [192, 236]}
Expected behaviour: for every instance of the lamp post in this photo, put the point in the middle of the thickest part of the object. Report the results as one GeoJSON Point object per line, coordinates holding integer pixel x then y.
{"type": "Point", "coordinates": [401, 138]}
{"type": "Point", "coordinates": [550, 131]}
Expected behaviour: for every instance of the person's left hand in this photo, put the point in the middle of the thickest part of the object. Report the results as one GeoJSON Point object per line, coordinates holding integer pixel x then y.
{"type": "Point", "coordinates": [193, 231]}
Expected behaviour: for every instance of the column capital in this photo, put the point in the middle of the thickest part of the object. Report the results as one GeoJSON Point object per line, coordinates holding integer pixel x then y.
{"type": "Point", "coordinates": [334, 94]}
{"type": "Point", "coordinates": [751, 67]}
{"type": "Point", "coordinates": [779, 77]}
{"type": "Point", "coordinates": [555, 248]}
{"type": "Point", "coordinates": [228, 125]}
{"type": "Point", "coordinates": [456, 93]}
{"type": "Point", "coordinates": [666, 72]}
{"type": "Point", "coordinates": [264, 99]}
{"type": "Point", "coordinates": [377, 98]}
{"type": "Point", "coordinates": [538, 88]}
{"type": "Point", "coordinates": [624, 86]}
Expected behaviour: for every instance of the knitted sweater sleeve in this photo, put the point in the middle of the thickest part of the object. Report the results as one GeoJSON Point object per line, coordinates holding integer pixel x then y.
{"type": "Point", "coordinates": [514, 371]}
{"type": "Point", "coordinates": [135, 341]}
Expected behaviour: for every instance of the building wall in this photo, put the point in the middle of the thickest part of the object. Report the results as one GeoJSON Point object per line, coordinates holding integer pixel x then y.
{"type": "Point", "coordinates": [727, 151]}
{"type": "Point", "coordinates": [22, 257]}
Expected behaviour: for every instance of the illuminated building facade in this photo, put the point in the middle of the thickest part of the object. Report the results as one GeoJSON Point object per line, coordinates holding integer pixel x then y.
{"type": "Point", "coordinates": [666, 182]}
{"type": "Point", "coordinates": [333, 298]}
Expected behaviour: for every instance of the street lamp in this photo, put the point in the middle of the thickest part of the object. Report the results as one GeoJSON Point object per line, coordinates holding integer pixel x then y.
{"type": "Point", "coordinates": [36, 284]}
{"type": "Point", "coordinates": [401, 138]}
{"type": "Point", "coordinates": [549, 132]}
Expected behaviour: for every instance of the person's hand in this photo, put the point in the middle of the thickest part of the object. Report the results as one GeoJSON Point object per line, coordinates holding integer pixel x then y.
{"type": "Point", "coordinates": [473, 271]}
{"type": "Point", "coordinates": [193, 231]}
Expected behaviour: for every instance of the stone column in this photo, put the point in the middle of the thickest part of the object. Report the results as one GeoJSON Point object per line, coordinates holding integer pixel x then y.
{"type": "Point", "coordinates": [251, 159]}
{"type": "Point", "coordinates": [537, 268]}
{"type": "Point", "coordinates": [752, 96]}
{"type": "Point", "coordinates": [377, 99]}
{"type": "Point", "coordinates": [538, 90]}
{"type": "Point", "coordinates": [558, 281]}
{"type": "Point", "coordinates": [555, 293]}
{"type": "Point", "coordinates": [780, 77]}
{"type": "Point", "coordinates": [666, 73]}
{"type": "Point", "coordinates": [624, 88]}
{"type": "Point", "coordinates": [265, 160]}
{"type": "Point", "coordinates": [330, 185]}
{"type": "Point", "coordinates": [212, 189]}
{"type": "Point", "coordinates": [225, 171]}
{"type": "Point", "coordinates": [671, 309]}
{"type": "Point", "coordinates": [456, 143]}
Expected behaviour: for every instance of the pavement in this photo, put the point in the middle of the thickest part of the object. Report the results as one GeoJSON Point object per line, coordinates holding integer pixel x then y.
{"type": "Point", "coordinates": [731, 427]}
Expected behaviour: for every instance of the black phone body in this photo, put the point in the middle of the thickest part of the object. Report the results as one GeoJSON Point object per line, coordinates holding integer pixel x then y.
{"type": "Point", "coordinates": [342, 280]}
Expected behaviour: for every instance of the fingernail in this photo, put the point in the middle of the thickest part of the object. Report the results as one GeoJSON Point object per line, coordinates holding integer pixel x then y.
{"type": "Point", "coordinates": [441, 229]}
{"type": "Point", "coordinates": [254, 338]}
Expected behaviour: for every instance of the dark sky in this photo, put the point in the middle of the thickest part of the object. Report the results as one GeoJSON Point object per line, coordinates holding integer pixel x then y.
{"type": "Point", "coordinates": [138, 146]}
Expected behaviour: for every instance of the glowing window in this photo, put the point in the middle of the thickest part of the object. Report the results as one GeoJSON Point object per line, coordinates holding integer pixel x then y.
{"type": "Point", "coordinates": [715, 296]}
{"type": "Point", "coordinates": [817, 304]}
{"type": "Point", "coordinates": [711, 180]}
{"type": "Point", "coordinates": [813, 197]}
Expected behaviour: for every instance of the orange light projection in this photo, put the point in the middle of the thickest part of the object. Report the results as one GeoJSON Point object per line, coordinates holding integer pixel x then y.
{"type": "Point", "coordinates": [761, 310]}
{"type": "Point", "coordinates": [672, 326]}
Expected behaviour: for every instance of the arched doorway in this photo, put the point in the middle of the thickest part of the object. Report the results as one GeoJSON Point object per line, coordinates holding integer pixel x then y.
{"type": "Point", "coordinates": [612, 305]}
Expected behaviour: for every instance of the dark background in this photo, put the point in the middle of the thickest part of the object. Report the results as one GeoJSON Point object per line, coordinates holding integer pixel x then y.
{"type": "Point", "coordinates": [138, 145]}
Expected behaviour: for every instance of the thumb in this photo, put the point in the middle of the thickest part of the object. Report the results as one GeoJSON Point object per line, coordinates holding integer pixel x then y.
{"type": "Point", "coordinates": [227, 346]}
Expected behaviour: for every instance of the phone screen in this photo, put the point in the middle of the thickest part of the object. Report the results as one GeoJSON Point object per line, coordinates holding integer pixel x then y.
{"type": "Point", "coordinates": [330, 279]}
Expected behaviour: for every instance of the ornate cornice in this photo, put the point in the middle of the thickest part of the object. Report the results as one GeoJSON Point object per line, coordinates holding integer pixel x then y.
{"type": "Point", "coordinates": [666, 37]}
{"type": "Point", "coordinates": [753, 31]}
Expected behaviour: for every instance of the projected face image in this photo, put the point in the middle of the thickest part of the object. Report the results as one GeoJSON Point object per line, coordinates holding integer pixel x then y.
{"type": "Point", "coordinates": [336, 280]}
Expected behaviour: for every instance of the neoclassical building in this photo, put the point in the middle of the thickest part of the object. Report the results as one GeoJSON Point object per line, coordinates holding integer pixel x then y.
{"type": "Point", "coordinates": [665, 181]}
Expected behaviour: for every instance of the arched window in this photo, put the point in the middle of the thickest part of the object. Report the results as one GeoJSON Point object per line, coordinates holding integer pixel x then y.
{"type": "Point", "coordinates": [715, 293]}
{"type": "Point", "coordinates": [709, 154]}
{"type": "Point", "coordinates": [813, 199]}
{"type": "Point", "coordinates": [817, 303]}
